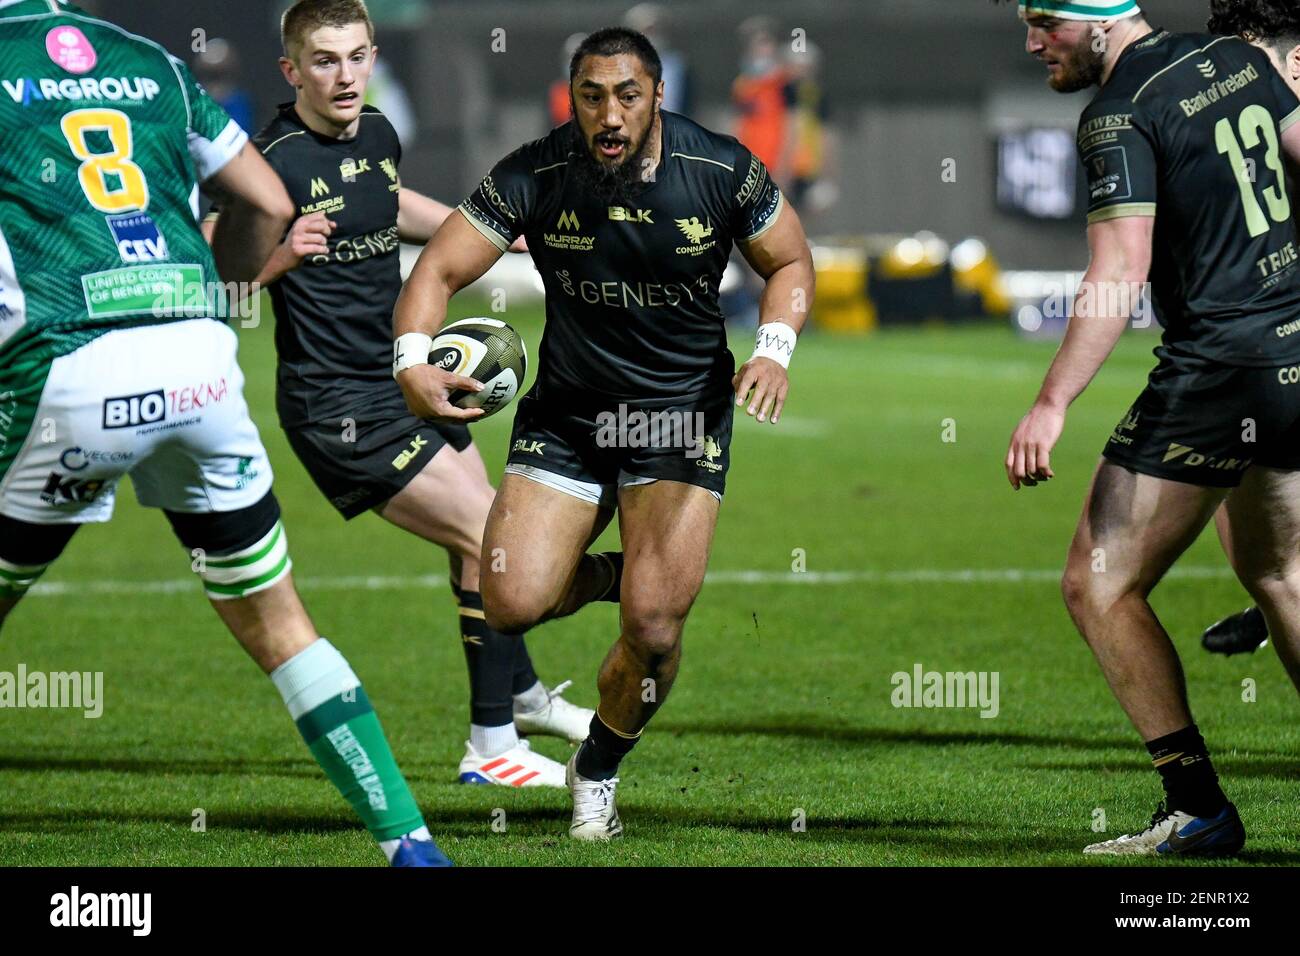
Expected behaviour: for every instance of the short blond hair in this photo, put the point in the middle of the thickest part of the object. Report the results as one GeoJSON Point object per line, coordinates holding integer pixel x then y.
{"type": "Point", "coordinates": [308, 15]}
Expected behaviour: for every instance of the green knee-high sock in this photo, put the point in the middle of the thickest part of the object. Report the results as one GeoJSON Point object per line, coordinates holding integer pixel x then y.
{"type": "Point", "coordinates": [335, 718]}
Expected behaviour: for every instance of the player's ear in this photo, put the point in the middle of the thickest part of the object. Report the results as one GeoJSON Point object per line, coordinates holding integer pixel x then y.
{"type": "Point", "coordinates": [659, 94]}
{"type": "Point", "coordinates": [1293, 64]}
{"type": "Point", "coordinates": [290, 72]}
{"type": "Point", "coordinates": [1101, 35]}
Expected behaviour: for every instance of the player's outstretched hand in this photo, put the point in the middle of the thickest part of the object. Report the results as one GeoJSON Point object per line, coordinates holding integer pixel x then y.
{"type": "Point", "coordinates": [769, 383]}
{"type": "Point", "coordinates": [309, 236]}
{"type": "Point", "coordinates": [427, 389]}
{"type": "Point", "coordinates": [1029, 457]}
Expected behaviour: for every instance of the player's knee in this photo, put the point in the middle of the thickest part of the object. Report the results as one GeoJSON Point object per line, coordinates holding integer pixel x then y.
{"type": "Point", "coordinates": [1277, 587]}
{"type": "Point", "coordinates": [236, 553]}
{"type": "Point", "coordinates": [654, 633]}
{"type": "Point", "coordinates": [1084, 593]}
{"type": "Point", "coordinates": [510, 611]}
{"type": "Point", "coordinates": [1090, 593]}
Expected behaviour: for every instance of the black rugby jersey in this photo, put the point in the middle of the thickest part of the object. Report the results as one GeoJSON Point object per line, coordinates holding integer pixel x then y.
{"type": "Point", "coordinates": [631, 291]}
{"type": "Point", "coordinates": [1188, 129]}
{"type": "Point", "coordinates": [334, 313]}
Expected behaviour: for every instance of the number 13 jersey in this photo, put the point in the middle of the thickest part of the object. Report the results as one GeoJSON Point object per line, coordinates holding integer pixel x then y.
{"type": "Point", "coordinates": [1188, 130]}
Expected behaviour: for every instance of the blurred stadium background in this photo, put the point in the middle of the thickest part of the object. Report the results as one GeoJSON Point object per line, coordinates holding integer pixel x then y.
{"type": "Point", "coordinates": [918, 120]}
{"type": "Point", "coordinates": [869, 534]}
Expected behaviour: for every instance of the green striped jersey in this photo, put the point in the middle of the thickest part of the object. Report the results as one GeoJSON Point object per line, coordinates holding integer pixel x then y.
{"type": "Point", "coordinates": [103, 139]}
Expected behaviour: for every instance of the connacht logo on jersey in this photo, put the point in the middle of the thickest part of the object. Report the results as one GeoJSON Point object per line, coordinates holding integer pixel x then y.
{"type": "Point", "coordinates": [696, 233]}
{"type": "Point", "coordinates": [137, 237]}
{"type": "Point", "coordinates": [712, 452]}
{"type": "Point", "coordinates": [390, 170]}
{"type": "Point", "coordinates": [108, 89]}
{"type": "Point", "coordinates": [693, 231]}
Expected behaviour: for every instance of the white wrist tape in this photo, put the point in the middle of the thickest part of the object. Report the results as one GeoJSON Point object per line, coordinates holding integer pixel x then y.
{"type": "Point", "coordinates": [411, 348]}
{"type": "Point", "coordinates": [775, 340]}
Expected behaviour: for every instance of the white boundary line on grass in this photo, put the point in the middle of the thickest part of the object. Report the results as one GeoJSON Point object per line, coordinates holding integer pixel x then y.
{"type": "Point", "coordinates": [432, 581]}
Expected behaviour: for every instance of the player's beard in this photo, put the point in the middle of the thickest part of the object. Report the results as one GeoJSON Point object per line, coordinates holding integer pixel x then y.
{"type": "Point", "coordinates": [1081, 69]}
{"type": "Point", "coordinates": [612, 185]}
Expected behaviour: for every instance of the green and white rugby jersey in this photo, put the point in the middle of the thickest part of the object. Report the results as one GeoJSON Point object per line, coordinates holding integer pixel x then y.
{"type": "Point", "coordinates": [103, 139]}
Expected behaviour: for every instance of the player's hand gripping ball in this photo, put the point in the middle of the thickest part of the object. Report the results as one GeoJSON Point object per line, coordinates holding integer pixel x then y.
{"type": "Point", "coordinates": [486, 350]}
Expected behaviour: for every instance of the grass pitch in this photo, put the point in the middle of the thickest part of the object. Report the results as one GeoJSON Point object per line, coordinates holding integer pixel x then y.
{"type": "Point", "coordinates": [916, 550]}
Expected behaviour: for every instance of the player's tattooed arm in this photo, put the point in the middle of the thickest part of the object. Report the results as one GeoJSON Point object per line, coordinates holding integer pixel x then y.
{"type": "Point", "coordinates": [457, 255]}
{"type": "Point", "coordinates": [256, 211]}
{"type": "Point", "coordinates": [1121, 262]}
{"type": "Point", "coordinates": [781, 256]}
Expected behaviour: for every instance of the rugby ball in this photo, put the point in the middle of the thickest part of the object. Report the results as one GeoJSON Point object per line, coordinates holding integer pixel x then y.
{"type": "Point", "coordinates": [484, 349]}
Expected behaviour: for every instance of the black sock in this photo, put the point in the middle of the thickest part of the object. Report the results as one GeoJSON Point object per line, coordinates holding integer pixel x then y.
{"type": "Point", "coordinates": [491, 659]}
{"type": "Point", "coordinates": [1191, 785]}
{"type": "Point", "coordinates": [524, 676]}
{"type": "Point", "coordinates": [600, 753]}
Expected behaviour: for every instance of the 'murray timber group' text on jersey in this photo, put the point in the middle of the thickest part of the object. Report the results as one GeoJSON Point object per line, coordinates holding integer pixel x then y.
{"type": "Point", "coordinates": [103, 136]}
{"type": "Point", "coordinates": [334, 313]}
{"type": "Point", "coordinates": [1188, 130]}
{"type": "Point", "coordinates": [631, 291]}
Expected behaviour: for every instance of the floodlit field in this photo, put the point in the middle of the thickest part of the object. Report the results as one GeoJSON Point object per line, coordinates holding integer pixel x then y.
{"type": "Point", "coordinates": [780, 743]}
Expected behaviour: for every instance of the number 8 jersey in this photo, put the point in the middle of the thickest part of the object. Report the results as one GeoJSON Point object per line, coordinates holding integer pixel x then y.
{"type": "Point", "coordinates": [1188, 130]}
{"type": "Point", "coordinates": [103, 138]}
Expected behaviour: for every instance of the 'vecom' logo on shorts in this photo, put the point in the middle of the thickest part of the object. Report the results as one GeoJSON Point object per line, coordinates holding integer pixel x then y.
{"type": "Point", "coordinates": [131, 410]}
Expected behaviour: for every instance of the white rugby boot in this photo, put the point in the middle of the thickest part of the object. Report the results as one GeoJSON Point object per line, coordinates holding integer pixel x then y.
{"type": "Point", "coordinates": [519, 766]}
{"type": "Point", "coordinates": [556, 718]}
{"type": "Point", "coordinates": [595, 817]}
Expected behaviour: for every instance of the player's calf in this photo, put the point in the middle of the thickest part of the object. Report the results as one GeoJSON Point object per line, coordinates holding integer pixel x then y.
{"type": "Point", "coordinates": [246, 574]}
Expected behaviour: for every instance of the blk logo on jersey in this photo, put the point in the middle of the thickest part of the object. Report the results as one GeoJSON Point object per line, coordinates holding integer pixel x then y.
{"type": "Point", "coordinates": [349, 169]}
{"type": "Point", "coordinates": [407, 456]}
{"type": "Point", "coordinates": [63, 490]}
{"type": "Point", "coordinates": [138, 237]}
{"type": "Point", "coordinates": [623, 214]}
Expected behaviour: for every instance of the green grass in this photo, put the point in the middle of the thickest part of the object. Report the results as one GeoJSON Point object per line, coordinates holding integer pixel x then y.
{"type": "Point", "coordinates": [783, 703]}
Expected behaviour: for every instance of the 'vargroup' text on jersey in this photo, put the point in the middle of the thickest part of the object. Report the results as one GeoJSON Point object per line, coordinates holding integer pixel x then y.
{"type": "Point", "coordinates": [631, 291]}
{"type": "Point", "coordinates": [103, 138]}
{"type": "Point", "coordinates": [334, 313]}
{"type": "Point", "coordinates": [1188, 129]}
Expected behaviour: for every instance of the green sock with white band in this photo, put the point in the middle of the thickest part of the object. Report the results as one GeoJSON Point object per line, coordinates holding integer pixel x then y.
{"type": "Point", "coordinates": [15, 579]}
{"type": "Point", "coordinates": [248, 570]}
{"type": "Point", "coordinates": [334, 716]}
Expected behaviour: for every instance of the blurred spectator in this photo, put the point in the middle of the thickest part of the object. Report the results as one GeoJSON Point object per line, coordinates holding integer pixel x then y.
{"type": "Point", "coordinates": [811, 142]}
{"type": "Point", "coordinates": [386, 94]}
{"type": "Point", "coordinates": [217, 68]}
{"type": "Point", "coordinates": [761, 97]}
{"type": "Point", "coordinates": [652, 20]}
{"type": "Point", "coordinates": [558, 106]}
